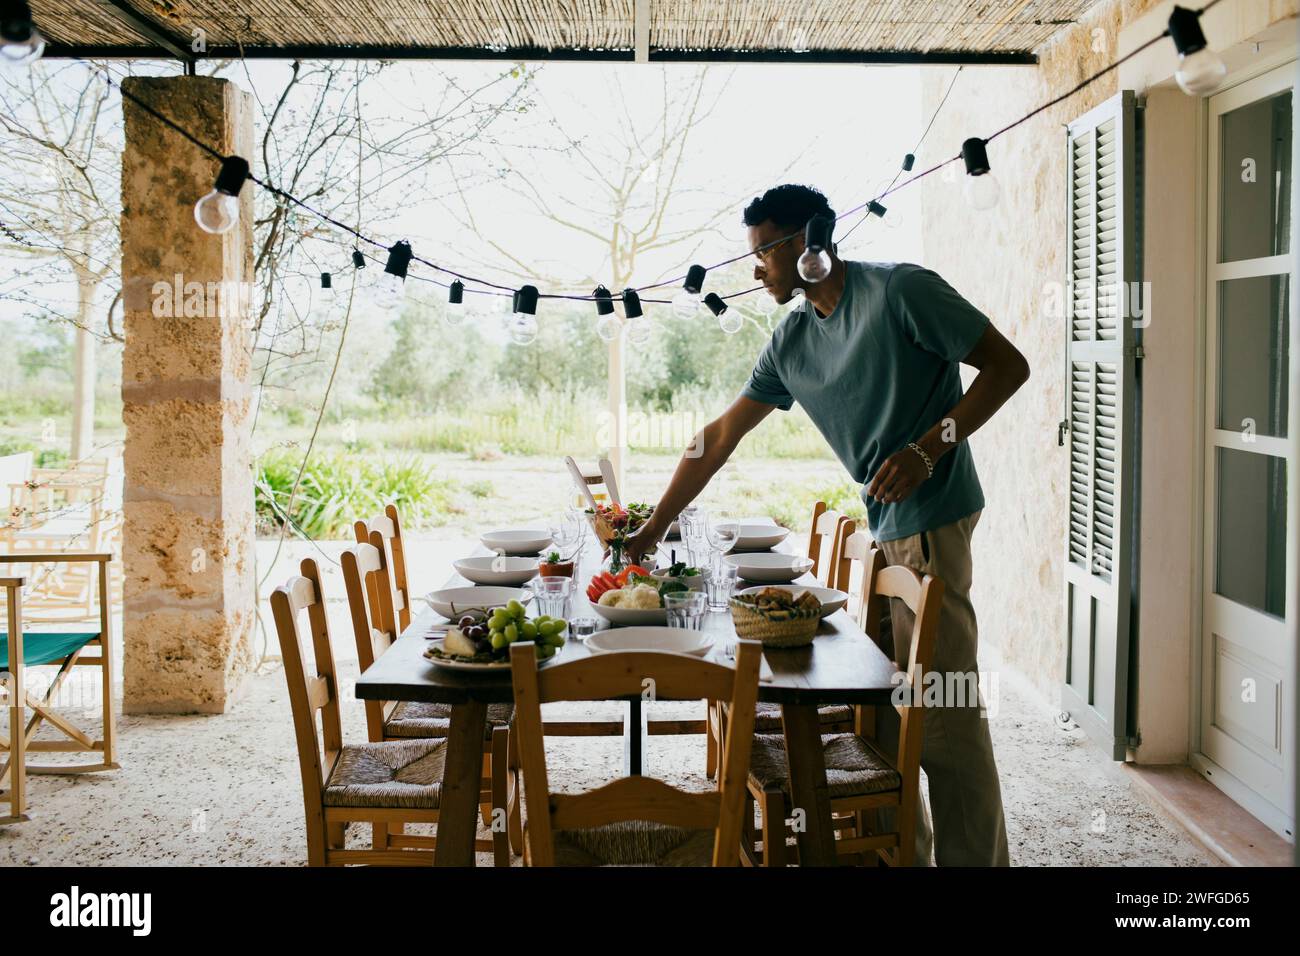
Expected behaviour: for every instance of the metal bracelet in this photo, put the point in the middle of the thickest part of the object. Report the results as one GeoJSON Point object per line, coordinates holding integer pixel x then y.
{"type": "Point", "coordinates": [929, 462]}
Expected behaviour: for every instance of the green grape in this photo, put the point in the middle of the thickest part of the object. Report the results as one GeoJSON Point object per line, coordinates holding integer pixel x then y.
{"type": "Point", "coordinates": [499, 619]}
{"type": "Point", "coordinates": [545, 651]}
{"type": "Point", "coordinates": [515, 609]}
{"type": "Point", "coordinates": [529, 630]}
{"type": "Point", "coordinates": [550, 628]}
{"type": "Point", "coordinates": [511, 633]}
{"type": "Point", "coordinates": [542, 620]}
{"type": "Point", "coordinates": [553, 640]}
{"type": "Point", "coordinates": [498, 640]}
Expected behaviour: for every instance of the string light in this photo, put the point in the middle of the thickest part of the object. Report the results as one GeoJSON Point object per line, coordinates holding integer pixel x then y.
{"type": "Point", "coordinates": [729, 320]}
{"type": "Point", "coordinates": [390, 287]}
{"type": "Point", "coordinates": [358, 259]}
{"type": "Point", "coordinates": [323, 306]}
{"type": "Point", "coordinates": [455, 313]}
{"type": "Point", "coordinates": [687, 302]}
{"type": "Point", "coordinates": [523, 324]}
{"type": "Point", "coordinates": [875, 209]}
{"type": "Point", "coordinates": [20, 42]}
{"type": "Point", "coordinates": [218, 211]}
{"type": "Point", "coordinates": [607, 324]}
{"type": "Point", "coordinates": [815, 263]}
{"type": "Point", "coordinates": [1200, 69]}
{"type": "Point", "coordinates": [981, 188]}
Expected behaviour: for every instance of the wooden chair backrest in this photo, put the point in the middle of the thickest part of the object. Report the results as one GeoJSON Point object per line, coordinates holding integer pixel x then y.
{"type": "Point", "coordinates": [631, 674]}
{"type": "Point", "coordinates": [822, 537]}
{"type": "Point", "coordinates": [312, 689]}
{"type": "Point", "coordinates": [385, 533]}
{"type": "Point", "coordinates": [370, 604]}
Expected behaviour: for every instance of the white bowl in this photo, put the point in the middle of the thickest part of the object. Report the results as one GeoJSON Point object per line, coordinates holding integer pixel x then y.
{"type": "Point", "coordinates": [677, 640]}
{"type": "Point", "coordinates": [632, 617]}
{"type": "Point", "coordinates": [831, 600]}
{"type": "Point", "coordinates": [522, 543]}
{"type": "Point", "coordinates": [456, 601]}
{"type": "Point", "coordinates": [768, 567]}
{"type": "Point", "coordinates": [694, 582]}
{"type": "Point", "coordinates": [760, 537]}
{"type": "Point", "coordinates": [497, 570]}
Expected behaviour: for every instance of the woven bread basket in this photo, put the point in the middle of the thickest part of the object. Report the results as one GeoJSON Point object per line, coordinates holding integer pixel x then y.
{"type": "Point", "coordinates": [793, 628]}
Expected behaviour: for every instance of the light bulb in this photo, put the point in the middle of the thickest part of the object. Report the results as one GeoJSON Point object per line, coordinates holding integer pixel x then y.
{"type": "Point", "coordinates": [1200, 72]}
{"type": "Point", "coordinates": [523, 328]}
{"type": "Point", "coordinates": [390, 291]}
{"type": "Point", "coordinates": [639, 332]}
{"type": "Point", "coordinates": [217, 212]}
{"type": "Point", "coordinates": [686, 304]}
{"type": "Point", "coordinates": [731, 321]}
{"type": "Point", "coordinates": [20, 42]}
{"type": "Point", "coordinates": [608, 327]}
{"type": "Point", "coordinates": [22, 53]}
{"type": "Point", "coordinates": [454, 315]}
{"type": "Point", "coordinates": [983, 191]}
{"type": "Point", "coordinates": [814, 265]}
{"type": "Point", "coordinates": [796, 298]}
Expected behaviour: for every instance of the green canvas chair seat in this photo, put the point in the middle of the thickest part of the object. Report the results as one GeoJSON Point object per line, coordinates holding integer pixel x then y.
{"type": "Point", "coordinates": [46, 648]}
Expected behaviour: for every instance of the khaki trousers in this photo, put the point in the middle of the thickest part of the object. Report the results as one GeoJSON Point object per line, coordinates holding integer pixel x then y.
{"type": "Point", "coordinates": [957, 756]}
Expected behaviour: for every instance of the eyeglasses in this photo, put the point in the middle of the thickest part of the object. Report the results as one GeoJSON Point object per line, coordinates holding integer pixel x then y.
{"type": "Point", "coordinates": [764, 253]}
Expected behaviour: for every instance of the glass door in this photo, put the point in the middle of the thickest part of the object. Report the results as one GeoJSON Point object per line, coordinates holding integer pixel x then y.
{"type": "Point", "coordinates": [1247, 696]}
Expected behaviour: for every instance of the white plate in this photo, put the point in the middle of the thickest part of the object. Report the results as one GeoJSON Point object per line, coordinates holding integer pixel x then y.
{"type": "Point", "coordinates": [497, 570]}
{"type": "Point", "coordinates": [694, 583]}
{"type": "Point", "coordinates": [768, 568]}
{"type": "Point", "coordinates": [494, 667]}
{"type": "Point", "coordinates": [630, 617]}
{"type": "Point", "coordinates": [831, 600]}
{"type": "Point", "coordinates": [675, 639]}
{"type": "Point", "coordinates": [524, 543]}
{"type": "Point", "coordinates": [466, 599]}
{"type": "Point", "coordinates": [759, 537]}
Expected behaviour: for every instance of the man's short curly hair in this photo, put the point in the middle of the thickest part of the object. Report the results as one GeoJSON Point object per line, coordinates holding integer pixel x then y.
{"type": "Point", "coordinates": [789, 206]}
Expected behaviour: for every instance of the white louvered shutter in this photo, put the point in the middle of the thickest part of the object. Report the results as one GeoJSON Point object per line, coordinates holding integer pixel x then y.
{"type": "Point", "coordinates": [1102, 263]}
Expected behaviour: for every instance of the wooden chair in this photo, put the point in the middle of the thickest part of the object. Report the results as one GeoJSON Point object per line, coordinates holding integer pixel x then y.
{"type": "Point", "coordinates": [634, 820]}
{"type": "Point", "coordinates": [385, 533]}
{"type": "Point", "coordinates": [863, 777]}
{"type": "Point", "coordinates": [366, 576]}
{"type": "Point", "coordinates": [387, 783]}
{"type": "Point", "coordinates": [62, 649]}
{"type": "Point", "coordinates": [824, 537]}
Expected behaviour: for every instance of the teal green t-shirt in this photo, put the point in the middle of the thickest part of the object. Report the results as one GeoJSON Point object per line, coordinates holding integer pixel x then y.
{"type": "Point", "coordinates": [879, 372]}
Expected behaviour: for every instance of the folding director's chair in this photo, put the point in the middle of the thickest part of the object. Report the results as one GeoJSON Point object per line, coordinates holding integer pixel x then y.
{"type": "Point", "coordinates": [62, 649]}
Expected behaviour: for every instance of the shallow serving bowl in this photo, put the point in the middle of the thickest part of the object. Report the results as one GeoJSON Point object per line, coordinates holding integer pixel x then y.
{"type": "Point", "coordinates": [631, 617]}
{"type": "Point", "coordinates": [769, 568]}
{"type": "Point", "coordinates": [453, 602]}
{"type": "Point", "coordinates": [517, 543]}
{"type": "Point", "coordinates": [694, 582]}
{"type": "Point", "coordinates": [677, 640]}
{"type": "Point", "coordinates": [831, 600]}
{"type": "Point", "coordinates": [760, 537]}
{"type": "Point", "coordinates": [497, 570]}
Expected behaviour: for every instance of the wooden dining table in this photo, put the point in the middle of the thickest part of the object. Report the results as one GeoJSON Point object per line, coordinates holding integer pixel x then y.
{"type": "Point", "coordinates": [841, 666]}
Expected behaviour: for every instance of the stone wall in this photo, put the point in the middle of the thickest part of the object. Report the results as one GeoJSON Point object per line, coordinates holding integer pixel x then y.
{"type": "Point", "coordinates": [188, 535]}
{"type": "Point", "coordinates": [1001, 260]}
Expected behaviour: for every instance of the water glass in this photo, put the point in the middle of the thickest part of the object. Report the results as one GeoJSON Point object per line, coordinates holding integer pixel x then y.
{"type": "Point", "coordinates": [551, 596]}
{"type": "Point", "coordinates": [719, 585]}
{"type": "Point", "coordinates": [685, 609]}
{"type": "Point", "coordinates": [583, 628]}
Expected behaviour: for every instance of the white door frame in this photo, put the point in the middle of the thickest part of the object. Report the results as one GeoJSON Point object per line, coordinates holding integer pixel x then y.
{"type": "Point", "coordinates": [1273, 809]}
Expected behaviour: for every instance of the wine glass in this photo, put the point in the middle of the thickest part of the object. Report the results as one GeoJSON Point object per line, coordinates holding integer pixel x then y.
{"type": "Point", "coordinates": [567, 531]}
{"type": "Point", "coordinates": [723, 532]}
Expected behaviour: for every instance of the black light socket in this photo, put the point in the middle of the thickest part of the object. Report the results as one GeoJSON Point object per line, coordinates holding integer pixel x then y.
{"type": "Point", "coordinates": [604, 301]}
{"type": "Point", "coordinates": [326, 280]}
{"type": "Point", "coordinates": [876, 208]}
{"type": "Point", "coordinates": [526, 300]}
{"type": "Point", "coordinates": [975, 156]}
{"type": "Point", "coordinates": [1185, 29]}
{"type": "Point", "coordinates": [694, 279]}
{"type": "Point", "coordinates": [399, 259]}
{"type": "Point", "coordinates": [358, 259]}
{"type": "Point", "coordinates": [908, 162]}
{"type": "Point", "coordinates": [817, 234]}
{"type": "Point", "coordinates": [16, 22]}
{"type": "Point", "coordinates": [456, 292]}
{"type": "Point", "coordinates": [234, 173]}
{"type": "Point", "coordinates": [715, 303]}
{"type": "Point", "coordinates": [632, 304]}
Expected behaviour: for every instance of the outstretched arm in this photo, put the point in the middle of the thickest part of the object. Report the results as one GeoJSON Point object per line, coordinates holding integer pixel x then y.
{"type": "Point", "coordinates": [1002, 370]}
{"type": "Point", "coordinates": [701, 461]}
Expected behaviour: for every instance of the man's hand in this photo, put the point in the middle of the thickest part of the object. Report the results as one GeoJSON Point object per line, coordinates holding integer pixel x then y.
{"type": "Point", "coordinates": [643, 541]}
{"type": "Point", "coordinates": [898, 477]}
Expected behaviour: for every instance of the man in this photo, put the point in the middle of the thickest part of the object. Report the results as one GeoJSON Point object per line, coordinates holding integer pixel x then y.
{"type": "Point", "coordinates": [872, 353]}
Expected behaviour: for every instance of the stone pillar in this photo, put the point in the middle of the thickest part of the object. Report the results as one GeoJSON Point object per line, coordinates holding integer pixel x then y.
{"type": "Point", "coordinates": [188, 535]}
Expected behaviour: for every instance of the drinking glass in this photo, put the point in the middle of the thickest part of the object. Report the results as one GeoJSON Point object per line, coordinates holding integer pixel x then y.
{"type": "Point", "coordinates": [552, 596]}
{"type": "Point", "coordinates": [723, 533]}
{"type": "Point", "coordinates": [685, 609]}
{"type": "Point", "coordinates": [719, 585]}
{"type": "Point", "coordinates": [567, 531]}
{"type": "Point", "coordinates": [582, 628]}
